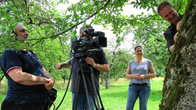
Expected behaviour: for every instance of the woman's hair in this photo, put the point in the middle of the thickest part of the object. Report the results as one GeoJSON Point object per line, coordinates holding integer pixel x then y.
{"type": "Point", "coordinates": [137, 47]}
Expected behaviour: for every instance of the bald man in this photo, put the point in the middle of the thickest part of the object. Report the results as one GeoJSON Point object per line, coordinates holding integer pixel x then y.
{"type": "Point", "coordinates": [28, 80]}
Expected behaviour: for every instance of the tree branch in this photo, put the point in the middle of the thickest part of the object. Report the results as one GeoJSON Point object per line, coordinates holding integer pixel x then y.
{"type": "Point", "coordinates": [72, 26]}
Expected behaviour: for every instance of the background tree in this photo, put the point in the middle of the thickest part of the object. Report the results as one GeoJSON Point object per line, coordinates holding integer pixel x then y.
{"type": "Point", "coordinates": [179, 84]}
{"type": "Point", "coordinates": [118, 61]}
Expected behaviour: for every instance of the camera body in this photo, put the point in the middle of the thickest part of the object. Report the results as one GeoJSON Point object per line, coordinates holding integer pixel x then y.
{"type": "Point", "coordinates": [86, 45]}
{"type": "Point", "coordinates": [83, 47]}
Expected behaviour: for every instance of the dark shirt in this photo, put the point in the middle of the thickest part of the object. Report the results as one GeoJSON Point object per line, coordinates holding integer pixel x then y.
{"type": "Point", "coordinates": [23, 94]}
{"type": "Point", "coordinates": [99, 57]}
{"type": "Point", "coordinates": [169, 35]}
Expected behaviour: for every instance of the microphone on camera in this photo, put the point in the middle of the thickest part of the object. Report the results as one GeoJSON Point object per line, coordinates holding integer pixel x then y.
{"type": "Point", "coordinates": [67, 61]}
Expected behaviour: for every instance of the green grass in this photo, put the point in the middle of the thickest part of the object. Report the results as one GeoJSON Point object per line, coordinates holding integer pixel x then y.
{"type": "Point", "coordinates": [114, 98]}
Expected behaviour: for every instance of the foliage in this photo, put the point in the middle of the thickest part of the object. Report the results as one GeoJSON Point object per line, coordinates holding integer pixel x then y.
{"type": "Point", "coordinates": [44, 16]}
{"type": "Point", "coordinates": [50, 29]}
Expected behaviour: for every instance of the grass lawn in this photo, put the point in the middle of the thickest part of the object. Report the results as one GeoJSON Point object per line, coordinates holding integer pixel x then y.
{"type": "Point", "coordinates": [114, 98]}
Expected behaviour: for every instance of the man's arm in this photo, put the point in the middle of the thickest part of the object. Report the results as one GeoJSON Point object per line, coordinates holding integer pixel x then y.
{"type": "Point", "coordinates": [47, 74]}
{"type": "Point", "coordinates": [25, 78]}
{"type": "Point", "coordinates": [50, 84]}
{"type": "Point", "coordinates": [66, 65]}
{"type": "Point", "coordinates": [175, 36]}
{"type": "Point", "coordinates": [99, 67]}
{"type": "Point", "coordinates": [102, 67]}
{"type": "Point", "coordinates": [171, 48]}
{"type": "Point", "coordinates": [170, 42]}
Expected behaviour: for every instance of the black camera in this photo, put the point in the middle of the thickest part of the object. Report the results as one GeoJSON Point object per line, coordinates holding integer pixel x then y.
{"type": "Point", "coordinates": [99, 41]}
{"type": "Point", "coordinates": [84, 46]}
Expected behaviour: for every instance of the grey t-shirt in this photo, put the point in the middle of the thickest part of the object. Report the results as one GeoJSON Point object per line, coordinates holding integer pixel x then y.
{"type": "Point", "coordinates": [142, 68]}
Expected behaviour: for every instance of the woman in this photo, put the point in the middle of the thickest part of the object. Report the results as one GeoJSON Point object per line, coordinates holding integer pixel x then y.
{"type": "Point", "coordinates": [139, 85]}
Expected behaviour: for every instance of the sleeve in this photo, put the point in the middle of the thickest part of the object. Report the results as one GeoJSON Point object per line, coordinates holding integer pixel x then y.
{"type": "Point", "coordinates": [169, 36]}
{"type": "Point", "coordinates": [9, 61]}
{"type": "Point", "coordinates": [104, 60]}
{"type": "Point", "coordinates": [148, 64]}
{"type": "Point", "coordinates": [131, 63]}
{"type": "Point", "coordinates": [169, 39]}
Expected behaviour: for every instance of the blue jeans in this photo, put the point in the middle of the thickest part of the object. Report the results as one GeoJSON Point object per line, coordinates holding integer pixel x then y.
{"type": "Point", "coordinates": [135, 91]}
{"type": "Point", "coordinates": [82, 102]}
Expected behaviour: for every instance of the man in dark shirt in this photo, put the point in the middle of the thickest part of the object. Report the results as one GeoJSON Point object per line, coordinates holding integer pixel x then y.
{"type": "Point", "coordinates": [169, 13]}
{"type": "Point", "coordinates": [97, 61]}
{"type": "Point", "coordinates": [28, 81]}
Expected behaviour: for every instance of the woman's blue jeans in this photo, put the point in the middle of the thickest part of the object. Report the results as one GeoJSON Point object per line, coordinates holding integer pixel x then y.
{"type": "Point", "coordinates": [135, 91]}
{"type": "Point", "coordinates": [82, 103]}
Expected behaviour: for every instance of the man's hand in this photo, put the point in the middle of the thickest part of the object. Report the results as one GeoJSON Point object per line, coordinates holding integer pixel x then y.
{"type": "Point", "coordinates": [175, 36]}
{"type": "Point", "coordinates": [178, 25]}
{"type": "Point", "coordinates": [58, 66]}
{"type": "Point", "coordinates": [90, 61]}
{"type": "Point", "coordinates": [50, 84]}
{"type": "Point", "coordinates": [177, 28]}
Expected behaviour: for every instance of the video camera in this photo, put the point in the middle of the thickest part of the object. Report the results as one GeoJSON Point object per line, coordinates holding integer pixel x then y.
{"type": "Point", "coordinates": [83, 47]}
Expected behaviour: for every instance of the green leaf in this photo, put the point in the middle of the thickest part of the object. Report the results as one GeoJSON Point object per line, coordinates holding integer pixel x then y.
{"type": "Point", "coordinates": [133, 2]}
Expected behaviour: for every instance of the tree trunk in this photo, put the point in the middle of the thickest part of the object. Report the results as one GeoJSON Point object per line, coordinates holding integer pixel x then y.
{"type": "Point", "coordinates": [107, 84]}
{"type": "Point", "coordinates": [101, 78]}
{"type": "Point", "coordinates": [179, 89]}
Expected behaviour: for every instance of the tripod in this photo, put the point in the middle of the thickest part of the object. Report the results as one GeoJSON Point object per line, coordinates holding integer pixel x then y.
{"type": "Point", "coordinates": [84, 72]}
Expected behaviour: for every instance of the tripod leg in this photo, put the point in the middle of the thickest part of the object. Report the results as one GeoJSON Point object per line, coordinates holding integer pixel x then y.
{"type": "Point", "coordinates": [85, 86]}
{"type": "Point", "coordinates": [94, 94]}
{"type": "Point", "coordinates": [76, 91]}
{"type": "Point", "coordinates": [96, 91]}
{"type": "Point", "coordinates": [94, 88]}
{"type": "Point", "coordinates": [100, 99]}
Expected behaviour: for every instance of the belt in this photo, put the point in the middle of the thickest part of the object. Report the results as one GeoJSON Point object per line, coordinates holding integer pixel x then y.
{"type": "Point", "coordinates": [137, 84]}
